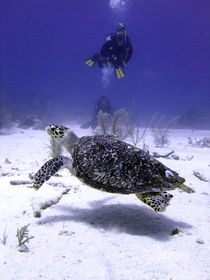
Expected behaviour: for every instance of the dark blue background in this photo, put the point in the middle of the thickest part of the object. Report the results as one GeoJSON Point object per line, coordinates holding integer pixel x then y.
{"type": "Point", "coordinates": [44, 44]}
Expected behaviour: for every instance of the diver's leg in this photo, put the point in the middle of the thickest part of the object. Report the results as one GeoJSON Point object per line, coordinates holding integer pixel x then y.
{"type": "Point", "coordinates": [158, 201]}
{"type": "Point", "coordinates": [102, 61]}
{"type": "Point", "coordinates": [49, 169]}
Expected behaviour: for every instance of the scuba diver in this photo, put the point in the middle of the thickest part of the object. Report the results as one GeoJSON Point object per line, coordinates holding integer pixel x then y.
{"type": "Point", "coordinates": [103, 104]}
{"type": "Point", "coordinates": [116, 52]}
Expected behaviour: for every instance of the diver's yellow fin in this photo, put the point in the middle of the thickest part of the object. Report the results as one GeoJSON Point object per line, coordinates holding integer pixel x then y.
{"type": "Point", "coordinates": [119, 73]}
{"type": "Point", "coordinates": [90, 62]}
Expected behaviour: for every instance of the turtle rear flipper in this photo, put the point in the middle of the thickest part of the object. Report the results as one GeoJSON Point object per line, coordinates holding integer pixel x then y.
{"type": "Point", "coordinates": [157, 200]}
{"type": "Point", "coordinates": [50, 167]}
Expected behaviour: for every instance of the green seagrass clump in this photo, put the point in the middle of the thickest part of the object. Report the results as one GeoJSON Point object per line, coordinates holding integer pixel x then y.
{"type": "Point", "coordinates": [23, 238]}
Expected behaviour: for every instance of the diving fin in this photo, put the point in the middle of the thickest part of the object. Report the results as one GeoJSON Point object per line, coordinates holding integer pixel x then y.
{"type": "Point", "coordinates": [119, 73]}
{"type": "Point", "coordinates": [90, 62]}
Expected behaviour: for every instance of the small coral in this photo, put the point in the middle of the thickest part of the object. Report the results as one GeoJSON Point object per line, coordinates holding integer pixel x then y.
{"type": "Point", "coordinates": [104, 122]}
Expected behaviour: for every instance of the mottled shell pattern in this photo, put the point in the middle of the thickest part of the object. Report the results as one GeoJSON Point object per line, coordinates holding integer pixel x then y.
{"type": "Point", "coordinates": [108, 164]}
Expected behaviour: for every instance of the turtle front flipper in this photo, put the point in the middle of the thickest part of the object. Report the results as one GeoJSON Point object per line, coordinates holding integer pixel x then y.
{"type": "Point", "coordinates": [49, 169]}
{"type": "Point", "coordinates": [157, 200]}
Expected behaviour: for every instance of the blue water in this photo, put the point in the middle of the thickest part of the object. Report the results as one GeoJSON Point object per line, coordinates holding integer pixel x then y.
{"type": "Point", "coordinates": [44, 44]}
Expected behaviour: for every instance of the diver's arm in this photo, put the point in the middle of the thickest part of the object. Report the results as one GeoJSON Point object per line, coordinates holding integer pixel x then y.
{"type": "Point", "coordinates": [129, 52]}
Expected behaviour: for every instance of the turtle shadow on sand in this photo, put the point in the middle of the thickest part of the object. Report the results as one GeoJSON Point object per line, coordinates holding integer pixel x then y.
{"type": "Point", "coordinates": [131, 219]}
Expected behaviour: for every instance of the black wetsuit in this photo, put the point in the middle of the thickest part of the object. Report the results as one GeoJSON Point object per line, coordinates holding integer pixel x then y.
{"type": "Point", "coordinates": [117, 51]}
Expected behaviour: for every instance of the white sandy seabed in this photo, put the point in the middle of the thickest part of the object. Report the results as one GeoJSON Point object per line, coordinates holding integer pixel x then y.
{"type": "Point", "coordinates": [95, 235]}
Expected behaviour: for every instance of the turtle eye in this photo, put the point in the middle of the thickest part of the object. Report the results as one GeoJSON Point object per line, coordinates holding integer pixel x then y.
{"type": "Point", "coordinates": [53, 127]}
{"type": "Point", "coordinates": [169, 174]}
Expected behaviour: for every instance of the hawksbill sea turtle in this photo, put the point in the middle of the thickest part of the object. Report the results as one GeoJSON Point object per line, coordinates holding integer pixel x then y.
{"type": "Point", "coordinates": [109, 164]}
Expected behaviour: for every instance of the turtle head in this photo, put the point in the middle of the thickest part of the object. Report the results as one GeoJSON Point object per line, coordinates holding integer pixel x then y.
{"type": "Point", "coordinates": [63, 136]}
{"type": "Point", "coordinates": [57, 131]}
{"type": "Point", "coordinates": [177, 181]}
{"type": "Point", "coordinates": [173, 178]}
